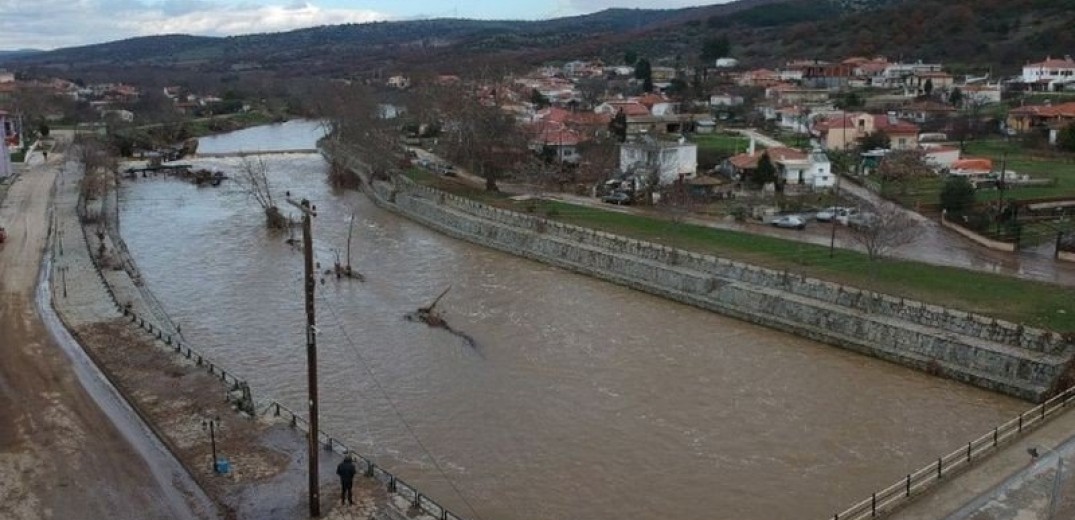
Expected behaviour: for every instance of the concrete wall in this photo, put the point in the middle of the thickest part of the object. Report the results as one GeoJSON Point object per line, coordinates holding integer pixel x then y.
{"type": "Point", "coordinates": [1001, 356]}
{"type": "Point", "coordinates": [987, 242]}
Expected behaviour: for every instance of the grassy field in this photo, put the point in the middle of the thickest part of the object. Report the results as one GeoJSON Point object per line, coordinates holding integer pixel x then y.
{"type": "Point", "coordinates": [1036, 304]}
{"type": "Point", "coordinates": [728, 144]}
{"type": "Point", "coordinates": [1059, 167]}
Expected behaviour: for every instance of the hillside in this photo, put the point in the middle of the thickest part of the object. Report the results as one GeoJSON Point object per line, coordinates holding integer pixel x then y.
{"type": "Point", "coordinates": [965, 33]}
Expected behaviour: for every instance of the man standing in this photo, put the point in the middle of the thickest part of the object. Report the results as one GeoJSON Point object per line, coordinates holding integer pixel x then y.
{"type": "Point", "coordinates": [346, 470]}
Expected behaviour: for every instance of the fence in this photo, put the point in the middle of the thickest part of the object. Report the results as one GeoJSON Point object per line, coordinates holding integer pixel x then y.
{"type": "Point", "coordinates": [392, 483]}
{"type": "Point", "coordinates": [914, 484]}
{"type": "Point", "coordinates": [244, 399]}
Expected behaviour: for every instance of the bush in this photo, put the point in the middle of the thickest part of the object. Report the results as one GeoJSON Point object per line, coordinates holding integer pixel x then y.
{"type": "Point", "coordinates": [957, 195]}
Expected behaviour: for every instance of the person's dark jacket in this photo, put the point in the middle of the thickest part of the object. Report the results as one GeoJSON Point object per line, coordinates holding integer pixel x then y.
{"type": "Point", "coordinates": [346, 470]}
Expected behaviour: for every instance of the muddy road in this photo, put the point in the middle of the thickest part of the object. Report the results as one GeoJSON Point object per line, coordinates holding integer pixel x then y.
{"type": "Point", "coordinates": [61, 455]}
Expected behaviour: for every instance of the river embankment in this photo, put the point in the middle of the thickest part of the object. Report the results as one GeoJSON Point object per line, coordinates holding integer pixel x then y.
{"type": "Point", "coordinates": [1005, 357]}
{"type": "Point", "coordinates": [179, 393]}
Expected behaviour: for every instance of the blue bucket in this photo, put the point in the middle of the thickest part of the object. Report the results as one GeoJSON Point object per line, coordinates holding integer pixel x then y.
{"type": "Point", "coordinates": [223, 466]}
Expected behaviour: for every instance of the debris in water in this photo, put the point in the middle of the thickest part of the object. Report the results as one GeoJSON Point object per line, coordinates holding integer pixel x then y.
{"type": "Point", "coordinates": [431, 317]}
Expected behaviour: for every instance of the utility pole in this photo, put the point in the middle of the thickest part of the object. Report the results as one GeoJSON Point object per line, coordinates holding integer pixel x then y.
{"type": "Point", "coordinates": [308, 212]}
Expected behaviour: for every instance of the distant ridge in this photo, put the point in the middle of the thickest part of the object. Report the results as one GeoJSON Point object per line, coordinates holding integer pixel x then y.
{"type": "Point", "coordinates": [966, 33]}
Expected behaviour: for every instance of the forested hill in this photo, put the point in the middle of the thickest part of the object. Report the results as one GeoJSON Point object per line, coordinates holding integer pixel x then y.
{"type": "Point", "coordinates": [975, 33]}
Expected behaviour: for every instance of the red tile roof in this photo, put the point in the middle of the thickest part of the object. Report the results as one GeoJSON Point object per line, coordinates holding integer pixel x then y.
{"type": "Point", "coordinates": [745, 161]}
{"type": "Point", "coordinates": [1052, 63]}
{"type": "Point", "coordinates": [973, 164]}
{"type": "Point", "coordinates": [1061, 110]}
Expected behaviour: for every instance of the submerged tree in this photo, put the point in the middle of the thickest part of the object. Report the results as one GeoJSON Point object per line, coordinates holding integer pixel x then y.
{"type": "Point", "coordinates": [254, 180]}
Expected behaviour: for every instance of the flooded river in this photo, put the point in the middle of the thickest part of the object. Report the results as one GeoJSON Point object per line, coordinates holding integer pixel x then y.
{"type": "Point", "coordinates": [582, 399]}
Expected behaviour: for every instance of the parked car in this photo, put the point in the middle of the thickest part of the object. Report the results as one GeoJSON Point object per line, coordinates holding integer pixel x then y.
{"type": "Point", "coordinates": [790, 221]}
{"type": "Point", "coordinates": [617, 197]}
{"type": "Point", "coordinates": [862, 220]}
{"type": "Point", "coordinates": [829, 213]}
{"type": "Point", "coordinates": [447, 170]}
{"type": "Point", "coordinates": [846, 216]}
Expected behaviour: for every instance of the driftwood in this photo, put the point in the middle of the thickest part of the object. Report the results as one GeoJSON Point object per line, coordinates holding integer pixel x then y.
{"type": "Point", "coordinates": [431, 317]}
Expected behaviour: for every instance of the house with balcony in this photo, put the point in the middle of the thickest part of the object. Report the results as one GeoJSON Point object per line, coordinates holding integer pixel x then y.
{"type": "Point", "coordinates": [1050, 75]}
{"type": "Point", "coordinates": [668, 160]}
{"type": "Point", "coordinates": [843, 130]}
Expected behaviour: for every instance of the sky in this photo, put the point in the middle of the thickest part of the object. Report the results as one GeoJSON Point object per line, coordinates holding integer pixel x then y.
{"type": "Point", "coordinates": [51, 24]}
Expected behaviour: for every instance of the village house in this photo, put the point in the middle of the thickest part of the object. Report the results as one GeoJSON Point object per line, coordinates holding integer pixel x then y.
{"type": "Point", "coordinates": [795, 168]}
{"type": "Point", "coordinates": [726, 63]}
{"type": "Point", "coordinates": [940, 157]}
{"type": "Point", "coordinates": [938, 80]}
{"type": "Point", "coordinates": [725, 100]}
{"type": "Point", "coordinates": [983, 94]}
{"type": "Point", "coordinates": [759, 78]}
{"type": "Point", "coordinates": [398, 81]}
{"type": "Point", "coordinates": [669, 160]}
{"type": "Point", "coordinates": [842, 131]}
{"type": "Point", "coordinates": [6, 76]}
{"type": "Point", "coordinates": [5, 155]}
{"type": "Point", "coordinates": [554, 140]}
{"type": "Point", "coordinates": [1050, 75]}
{"type": "Point", "coordinates": [922, 112]}
{"type": "Point", "coordinates": [1041, 117]}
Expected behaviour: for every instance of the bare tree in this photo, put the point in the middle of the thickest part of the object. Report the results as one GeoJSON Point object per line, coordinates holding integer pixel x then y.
{"type": "Point", "coordinates": [482, 137]}
{"type": "Point", "coordinates": [882, 228]}
{"type": "Point", "coordinates": [901, 168]}
{"type": "Point", "coordinates": [254, 179]}
{"type": "Point", "coordinates": [99, 166]}
{"type": "Point", "coordinates": [360, 122]}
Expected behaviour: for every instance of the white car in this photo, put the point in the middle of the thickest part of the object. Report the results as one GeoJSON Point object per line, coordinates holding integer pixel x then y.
{"type": "Point", "coordinates": [847, 216]}
{"type": "Point", "coordinates": [790, 221]}
{"type": "Point", "coordinates": [829, 213]}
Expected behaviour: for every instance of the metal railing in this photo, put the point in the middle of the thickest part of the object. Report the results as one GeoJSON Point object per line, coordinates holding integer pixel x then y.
{"type": "Point", "coordinates": [244, 400]}
{"type": "Point", "coordinates": [914, 484]}
{"type": "Point", "coordinates": [392, 483]}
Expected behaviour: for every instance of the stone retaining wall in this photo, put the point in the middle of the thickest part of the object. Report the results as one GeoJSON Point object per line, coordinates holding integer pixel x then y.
{"type": "Point", "coordinates": [1005, 357]}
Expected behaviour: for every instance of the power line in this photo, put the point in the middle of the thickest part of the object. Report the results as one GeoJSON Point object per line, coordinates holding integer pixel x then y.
{"type": "Point", "coordinates": [395, 409]}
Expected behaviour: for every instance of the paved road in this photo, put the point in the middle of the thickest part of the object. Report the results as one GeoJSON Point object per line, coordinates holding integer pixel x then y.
{"type": "Point", "coordinates": [61, 454]}
{"type": "Point", "coordinates": [934, 244]}
{"type": "Point", "coordinates": [1009, 485]}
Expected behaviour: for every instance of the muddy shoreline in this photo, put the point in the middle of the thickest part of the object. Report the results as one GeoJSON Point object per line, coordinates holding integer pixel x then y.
{"type": "Point", "coordinates": [177, 397]}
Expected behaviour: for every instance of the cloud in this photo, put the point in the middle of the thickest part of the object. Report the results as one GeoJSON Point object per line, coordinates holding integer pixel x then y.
{"type": "Point", "coordinates": [49, 24]}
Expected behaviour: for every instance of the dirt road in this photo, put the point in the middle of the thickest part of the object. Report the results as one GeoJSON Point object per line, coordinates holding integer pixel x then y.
{"type": "Point", "coordinates": [61, 456]}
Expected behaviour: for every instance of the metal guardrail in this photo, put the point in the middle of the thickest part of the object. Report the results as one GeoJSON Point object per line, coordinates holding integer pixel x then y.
{"type": "Point", "coordinates": [914, 484]}
{"type": "Point", "coordinates": [392, 483]}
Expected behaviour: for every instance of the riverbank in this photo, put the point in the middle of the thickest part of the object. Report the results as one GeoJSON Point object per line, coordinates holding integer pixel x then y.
{"type": "Point", "coordinates": [176, 395]}
{"type": "Point", "coordinates": [1004, 357]}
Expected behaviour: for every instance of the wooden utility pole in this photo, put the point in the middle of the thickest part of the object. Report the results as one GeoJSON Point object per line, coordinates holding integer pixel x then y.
{"type": "Point", "coordinates": [308, 212]}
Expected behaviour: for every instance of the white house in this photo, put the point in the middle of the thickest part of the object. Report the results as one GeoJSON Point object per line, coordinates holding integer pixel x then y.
{"type": "Point", "coordinates": [672, 160]}
{"type": "Point", "coordinates": [725, 100]}
{"type": "Point", "coordinates": [814, 171]}
{"type": "Point", "coordinates": [727, 63]}
{"type": "Point", "coordinates": [5, 156]}
{"type": "Point", "coordinates": [1052, 74]}
{"type": "Point", "coordinates": [6, 76]}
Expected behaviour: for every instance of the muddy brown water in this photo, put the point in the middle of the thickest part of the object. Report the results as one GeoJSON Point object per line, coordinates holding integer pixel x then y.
{"type": "Point", "coordinates": [582, 399]}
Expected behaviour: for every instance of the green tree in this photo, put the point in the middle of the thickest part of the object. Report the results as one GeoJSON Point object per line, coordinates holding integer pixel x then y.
{"type": "Point", "coordinates": [715, 47]}
{"type": "Point", "coordinates": [618, 126]}
{"type": "Point", "coordinates": [643, 70]}
{"type": "Point", "coordinates": [957, 195]}
{"type": "Point", "coordinates": [956, 97]}
{"type": "Point", "coordinates": [647, 84]}
{"type": "Point", "coordinates": [765, 173]}
{"type": "Point", "coordinates": [630, 57]}
{"type": "Point", "coordinates": [1066, 139]}
{"type": "Point", "coordinates": [850, 101]}
{"type": "Point", "coordinates": [538, 99]}
{"type": "Point", "coordinates": [928, 87]}
{"type": "Point", "coordinates": [878, 140]}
